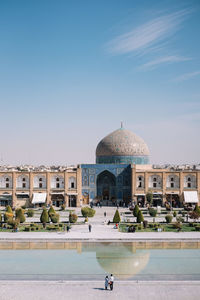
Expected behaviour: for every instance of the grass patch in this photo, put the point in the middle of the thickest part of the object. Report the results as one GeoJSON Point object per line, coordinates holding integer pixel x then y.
{"type": "Point", "coordinates": [123, 227]}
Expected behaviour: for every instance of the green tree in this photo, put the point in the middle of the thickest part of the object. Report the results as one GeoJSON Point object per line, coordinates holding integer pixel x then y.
{"type": "Point", "coordinates": [136, 210]}
{"type": "Point", "coordinates": [140, 217]}
{"type": "Point", "coordinates": [9, 209]}
{"type": "Point", "coordinates": [44, 218]}
{"type": "Point", "coordinates": [7, 216]}
{"type": "Point", "coordinates": [19, 214]}
{"type": "Point", "coordinates": [149, 198]}
{"type": "Point", "coordinates": [54, 218]}
{"type": "Point", "coordinates": [51, 210]}
{"type": "Point", "coordinates": [116, 218]}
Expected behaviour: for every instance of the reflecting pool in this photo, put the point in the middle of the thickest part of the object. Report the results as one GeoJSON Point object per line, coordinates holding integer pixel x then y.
{"type": "Point", "coordinates": [87, 261]}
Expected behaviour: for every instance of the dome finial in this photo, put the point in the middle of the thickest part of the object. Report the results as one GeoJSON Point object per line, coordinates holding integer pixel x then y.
{"type": "Point", "coordinates": [121, 124]}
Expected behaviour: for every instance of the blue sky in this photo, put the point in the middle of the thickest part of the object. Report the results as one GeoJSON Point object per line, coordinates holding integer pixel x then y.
{"type": "Point", "coordinates": [70, 71]}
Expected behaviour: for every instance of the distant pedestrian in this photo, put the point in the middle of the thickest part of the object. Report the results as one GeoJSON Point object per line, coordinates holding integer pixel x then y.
{"type": "Point", "coordinates": [90, 227]}
{"type": "Point", "coordinates": [111, 281]}
{"type": "Point", "coordinates": [104, 213]}
{"type": "Point", "coordinates": [68, 228]}
{"type": "Point", "coordinates": [106, 282]}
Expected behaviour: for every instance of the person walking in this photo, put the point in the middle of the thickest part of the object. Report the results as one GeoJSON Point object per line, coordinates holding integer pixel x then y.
{"type": "Point", "coordinates": [106, 282]}
{"type": "Point", "coordinates": [111, 281]}
{"type": "Point", "coordinates": [90, 227]}
{"type": "Point", "coordinates": [104, 213]}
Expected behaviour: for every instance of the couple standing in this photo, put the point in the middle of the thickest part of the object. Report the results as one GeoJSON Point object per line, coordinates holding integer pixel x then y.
{"type": "Point", "coordinates": [109, 282]}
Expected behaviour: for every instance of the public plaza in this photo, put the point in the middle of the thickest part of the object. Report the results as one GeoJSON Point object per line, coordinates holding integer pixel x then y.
{"type": "Point", "coordinates": [121, 180]}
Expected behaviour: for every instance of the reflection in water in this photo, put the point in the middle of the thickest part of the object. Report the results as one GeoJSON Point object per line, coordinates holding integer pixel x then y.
{"type": "Point", "coordinates": [121, 260]}
{"type": "Point", "coordinates": [65, 260]}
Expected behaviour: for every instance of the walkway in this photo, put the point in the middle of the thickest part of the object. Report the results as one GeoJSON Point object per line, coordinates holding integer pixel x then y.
{"type": "Point", "coordinates": [83, 290]}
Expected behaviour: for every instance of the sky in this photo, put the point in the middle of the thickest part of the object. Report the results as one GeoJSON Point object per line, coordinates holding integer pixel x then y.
{"type": "Point", "coordinates": [71, 71]}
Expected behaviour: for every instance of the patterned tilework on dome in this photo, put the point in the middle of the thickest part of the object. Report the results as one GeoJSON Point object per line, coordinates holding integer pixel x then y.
{"type": "Point", "coordinates": [122, 146]}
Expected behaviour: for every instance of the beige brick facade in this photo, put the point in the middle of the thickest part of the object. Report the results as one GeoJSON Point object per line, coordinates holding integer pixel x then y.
{"type": "Point", "coordinates": [18, 188]}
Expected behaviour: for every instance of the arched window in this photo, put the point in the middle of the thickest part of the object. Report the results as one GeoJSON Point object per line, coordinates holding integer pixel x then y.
{"type": "Point", "coordinates": [22, 181]}
{"type": "Point", "coordinates": [72, 182]}
{"type": "Point", "coordinates": [140, 182]}
{"type": "Point", "coordinates": [172, 181]}
{"type": "Point", "coordinates": [57, 182]}
{"type": "Point", "coordinates": [6, 181]}
{"type": "Point", "coordinates": [190, 181]}
{"type": "Point", "coordinates": [39, 181]}
{"type": "Point", "coordinates": [155, 181]}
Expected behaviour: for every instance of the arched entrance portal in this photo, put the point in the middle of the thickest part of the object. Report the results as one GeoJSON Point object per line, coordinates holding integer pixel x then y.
{"type": "Point", "coordinates": [106, 187]}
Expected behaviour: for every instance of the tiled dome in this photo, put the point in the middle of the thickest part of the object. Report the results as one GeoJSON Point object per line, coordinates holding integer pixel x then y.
{"type": "Point", "coordinates": [121, 143]}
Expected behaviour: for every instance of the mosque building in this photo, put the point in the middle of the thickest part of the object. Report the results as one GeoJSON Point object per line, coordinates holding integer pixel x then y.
{"type": "Point", "coordinates": [121, 175]}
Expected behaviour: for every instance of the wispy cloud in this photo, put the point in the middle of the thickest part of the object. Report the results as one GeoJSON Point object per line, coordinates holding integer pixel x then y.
{"type": "Point", "coordinates": [146, 36]}
{"type": "Point", "coordinates": [163, 60]}
{"type": "Point", "coordinates": [186, 76]}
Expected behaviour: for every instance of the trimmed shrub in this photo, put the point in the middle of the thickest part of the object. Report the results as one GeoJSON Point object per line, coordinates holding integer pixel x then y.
{"type": "Point", "coordinates": [197, 228]}
{"type": "Point", "coordinates": [0, 217]}
{"type": "Point", "coordinates": [23, 206]}
{"type": "Point", "coordinates": [27, 229]}
{"type": "Point", "coordinates": [140, 217]}
{"type": "Point", "coordinates": [174, 214]}
{"type": "Point", "coordinates": [168, 218]}
{"type": "Point", "coordinates": [183, 213]}
{"type": "Point", "coordinates": [86, 219]}
{"type": "Point", "coordinates": [88, 212]}
{"type": "Point", "coordinates": [54, 218]}
{"type": "Point", "coordinates": [73, 218]}
{"type": "Point", "coordinates": [44, 218]}
{"type": "Point", "coordinates": [51, 210]}
{"type": "Point", "coordinates": [116, 218]}
{"type": "Point", "coordinates": [136, 210]}
{"type": "Point", "coordinates": [14, 223]}
{"type": "Point", "coordinates": [30, 212]}
{"type": "Point", "coordinates": [19, 214]}
{"type": "Point", "coordinates": [9, 209]}
{"type": "Point", "coordinates": [153, 212]}
{"type": "Point", "coordinates": [7, 216]}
